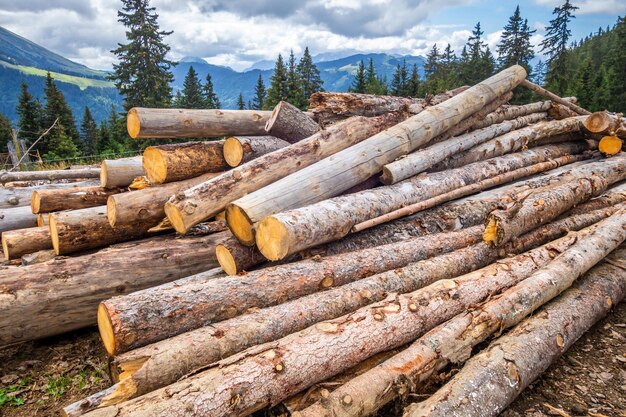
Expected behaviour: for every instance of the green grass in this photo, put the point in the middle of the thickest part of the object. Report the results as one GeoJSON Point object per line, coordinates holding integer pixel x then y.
{"type": "Point", "coordinates": [81, 82]}
{"type": "Point", "coordinates": [8, 396]}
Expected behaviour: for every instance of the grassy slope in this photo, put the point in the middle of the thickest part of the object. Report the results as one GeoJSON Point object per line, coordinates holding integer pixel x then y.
{"type": "Point", "coordinates": [81, 82]}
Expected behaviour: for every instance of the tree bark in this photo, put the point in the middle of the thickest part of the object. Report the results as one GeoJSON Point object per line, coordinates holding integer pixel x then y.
{"type": "Point", "coordinates": [241, 149]}
{"type": "Point", "coordinates": [328, 108]}
{"type": "Point", "coordinates": [120, 172]}
{"type": "Point", "coordinates": [17, 218]}
{"type": "Point", "coordinates": [511, 142]}
{"type": "Point", "coordinates": [20, 196]}
{"type": "Point", "coordinates": [333, 175]}
{"type": "Point", "coordinates": [542, 91]}
{"type": "Point", "coordinates": [235, 258]}
{"type": "Point", "coordinates": [43, 219]}
{"type": "Point", "coordinates": [146, 205]}
{"type": "Point", "coordinates": [503, 224]}
{"type": "Point", "coordinates": [137, 318]}
{"type": "Point", "coordinates": [291, 231]}
{"type": "Point", "coordinates": [505, 113]}
{"type": "Point", "coordinates": [207, 199]}
{"type": "Point", "coordinates": [492, 379]}
{"type": "Point", "coordinates": [16, 243]}
{"type": "Point", "coordinates": [423, 159]}
{"type": "Point", "coordinates": [61, 174]}
{"type": "Point", "coordinates": [46, 201]}
{"type": "Point", "coordinates": [38, 257]}
{"type": "Point", "coordinates": [287, 122]}
{"type": "Point", "coordinates": [191, 123]}
{"type": "Point", "coordinates": [181, 161]}
{"type": "Point", "coordinates": [61, 295]}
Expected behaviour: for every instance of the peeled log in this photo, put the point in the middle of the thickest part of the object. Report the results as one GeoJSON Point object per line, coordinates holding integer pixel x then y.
{"type": "Point", "coordinates": [61, 174]}
{"type": "Point", "coordinates": [492, 379]}
{"type": "Point", "coordinates": [46, 201]}
{"type": "Point", "coordinates": [291, 231]}
{"type": "Point", "coordinates": [137, 318]}
{"type": "Point", "coordinates": [542, 91]}
{"type": "Point", "coordinates": [36, 303]}
{"type": "Point", "coordinates": [17, 218]}
{"type": "Point", "coordinates": [423, 159]}
{"type": "Point", "coordinates": [209, 198]}
{"type": "Point", "coordinates": [287, 122]}
{"type": "Point", "coordinates": [241, 149]}
{"type": "Point", "coordinates": [606, 123]}
{"type": "Point", "coordinates": [145, 123]}
{"type": "Point", "coordinates": [16, 243]}
{"type": "Point", "coordinates": [181, 161]}
{"type": "Point", "coordinates": [120, 172]}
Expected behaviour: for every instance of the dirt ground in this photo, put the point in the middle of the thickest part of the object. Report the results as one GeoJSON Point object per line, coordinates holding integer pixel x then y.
{"type": "Point", "coordinates": [40, 378]}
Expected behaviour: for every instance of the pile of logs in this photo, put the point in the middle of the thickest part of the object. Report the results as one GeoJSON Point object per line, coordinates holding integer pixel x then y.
{"type": "Point", "coordinates": [377, 238]}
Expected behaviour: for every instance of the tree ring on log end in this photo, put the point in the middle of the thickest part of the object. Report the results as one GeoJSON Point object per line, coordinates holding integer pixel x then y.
{"type": "Point", "coordinates": [386, 177]}
{"type": "Point", "coordinates": [240, 225]}
{"type": "Point", "coordinates": [5, 247]}
{"type": "Point", "coordinates": [233, 152]}
{"type": "Point", "coordinates": [226, 259]}
{"type": "Point", "coordinates": [175, 217]}
{"type": "Point", "coordinates": [490, 235]}
{"type": "Point", "coordinates": [272, 239]}
{"type": "Point", "coordinates": [103, 174]}
{"type": "Point", "coordinates": [111, 210]}
{"type": "Point", "coordinates": [133, 124]}
{"type": "Point", "coordinates": [35, 202]}
{"type": "Point", "coordinates": [105, 327]}
{"type": "Point", "coordinates": [154, 165]}
{"type": "Point", "coordinates": [609, 145]}
{"type": "Point", "coordinates": [54, 234]}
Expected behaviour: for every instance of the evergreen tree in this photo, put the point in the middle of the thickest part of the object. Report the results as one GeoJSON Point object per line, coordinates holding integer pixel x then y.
{"type": "Point", "coordinates": [514, 47]}
{"type": "Point", "coordinates": [311, 82]}
{"type": "Point", "coordinates": [359, 84]}
{"type": "Point", "coordinates": [294, 83]}
{"type": "Point", "coordinates": [431, 71]}
{"type": "Point", "coordinates": [143, 73]}
{"type": "Point", "coordinates": [5, 132]}
{"type": "Point", "coordinates": [177, 101]}
{"type": "Point", "coordinates": [89, 133]}
{"type": "Point", "coordinates": [259, 94]}
{"type": "Point", "coordinates": [192, 91]}
{"type": "Point", "coordinates": [57, 108]}
{"type": "Point", "coordinates": [29, 111]}
{"type": "Point", "coordinates": [585, 85]}
{"type": "Point", "coordinates": [241, 105]}
{"type": "Point", "coordinates": [413, 86]}
{"type": "Point", "coordinates": [210, 98]}
{"type": "Point", "coordinates": [539, 73]}
{"type": "Point", "coordinates": [448, 69]}
{"type": "Point", "coordinates": [399, 82]}
{"type": "Point", "coordinates": [278, 84]}
{"type": "Point", "coordinates": [375, 84]}
{"type": "Point", "coordinates": [477, 62]}
{"type": "Point", "coordinates": [60, 145]}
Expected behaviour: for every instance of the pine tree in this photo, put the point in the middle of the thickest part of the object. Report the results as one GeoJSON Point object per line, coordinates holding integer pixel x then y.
{"type": "Point", "coordinates": [61, 146]}
{"type": "Point", "coordinates": [375, 84]}
{"type": "Point", "coordinates": [514, 47]}
{"type": "Point", "coordinates": [143, 73]}
{"type": "Point", "coordinates": [259, 94]}
{"type": "Point", "coordinates": [177, 101]}
{"type": "Point", "coordinates": [294, 83]}
{"type": "Point", "coordinates": [539, 73]}
{"type": "Point", "coordinates": [241, 105]}
{"type": "Point", "coordinates": [431, 71]}
{"type": "Point", "coordinates": [29, 111]}
{"type": "Point", "coordinates": [311, 82]}
{"type": "Point", "coordinates": [89, 133]}
{"type": "Point", "coordinates": [413, 86]}
{"type": "Point", "coordinates": [359, 84]}
{"type": "Point", "coordinates": [5, 132]}
{"type": "Point", "coordinates": [210, 98]}
{"type": "Point", "coordinates": [399, 82]}
{"type": "Point", "coordinates": [57, 108]}
{"type": "Point", "coordinates": [477, 62]}
{"type": "Point", "coordinates": [278, 85]}
{"type": "Point", "coordinates": [448, 68]}
{"type": "Point", "coordinates": [192, 91]}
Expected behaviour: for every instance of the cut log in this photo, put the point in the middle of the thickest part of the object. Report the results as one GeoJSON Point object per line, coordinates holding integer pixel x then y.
{"type": "Point", "coordinates": [235, 258]}
{"type": "Point", "coordinates": [145, 123]}
{"type": "Point", "coordinates": [207, 199]}
{"type": "Point", "coordinates": [17, 218]}
{"type": "Point", "coordinates": [356, 164]}
{"type": "Point", "coordinates": [453, 341]}
{"type": "Point", "coordinates": [79, 230]}
{"type": "Point", "coordinates": [610, 145]}
{"type": "Point", "coordinates": [492, 379]}
{"type": "Point", "coordinates": [181, 161]}
{"type": "Point", "coordinates": [43, 219]}
{"type": "Point", "coordinates": [62, 295]}
{"type": "Point", "coordinates": [146, 205]}
{"type": "Point", "coordinates": [196, 305]}
{"type": "Point", "coordinates": [501, 225]}
{"type": "Point", "coordinates": [61, 174]}
{"type": "Point", "coordinates": [38, 257]}
{"type": "Point", "coordinates": [421, 160]}
{"type": "Point", "coordinates": [291, 231]}
{"type": "Point", "coordinates": [20, 196]}
{"type": "Point", "coordinates": [288, 123]}
{"type": "Point", "coordinates": [543, 92]}
{"type": "Point", "coordinates": [16, 243]}
{"type": "Point", "coordinates": [512, 142]}
{"type": "Point", "coordinates": [241, 149]}
{"type": "Point", "coordinates": [606, 123]}
{"type": "Point", "coordinates": [331, 107]}
{"type": "Point", "coordinates": [120, 172]}
{"type": "Point", "coordinates": [46, 201]}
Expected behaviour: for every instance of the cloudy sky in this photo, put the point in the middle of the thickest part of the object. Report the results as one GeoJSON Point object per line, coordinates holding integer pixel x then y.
{"type": "Point", "coordinates": [238, 33]}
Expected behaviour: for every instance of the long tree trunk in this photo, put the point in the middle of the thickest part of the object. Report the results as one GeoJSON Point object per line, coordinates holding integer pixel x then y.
{"type": "Point", "coordinates": [61, 174]}
{"type": "Point", "coordinates": [241, 149]}
{"type": "Point", "coordinates": [136, 371]}
{"type": "Point", "coordinates": [46, 201]}
{"type": "Point", "coordinates": [61, 295]}
{"type": "Point", "coordinates": [564, 102]}
{"type": "Point", "coordinates": [146, 205]}
{"type": "Point", "coordinates": [291, 231]}
{"type": "Point", "coordinates": [330, 107]}
{"type": "Point", "coordinates": [199, 304]}
{"type": "Point", "coordinates": [181, 161]}
{"type": "Point", "coordinates": [120, 172]}
{"type": "Point", "coordinates": [207, 199]}
{"type": "Point", "coordinates": [20, 196]}
{"type": "Point", "coordinates": [145, 123]}
{"type": "Point", "coordinates": [16, 243]}
{"type": "Point", "coordinates": [423, 159]}
{"type": "Point", "coordinates": [512, 112]}
{"type": "Point", "coordinates": [453, 341]}
{"type": "Point", "coordinates": [17, 218]}
{"type": "Point", "coordinates": [289, 123]}
{"type": "Point", "coordinates": [492, 379]}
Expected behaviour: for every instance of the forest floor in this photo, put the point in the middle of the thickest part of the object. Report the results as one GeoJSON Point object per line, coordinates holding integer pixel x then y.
{"type": "Point", "coordinates": [40, 378]}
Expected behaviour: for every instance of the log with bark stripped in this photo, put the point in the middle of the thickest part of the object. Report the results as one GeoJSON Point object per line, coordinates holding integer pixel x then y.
{"type": "Point", "coordinates": [241, 149]}
{"type": "Point", "coordinates": [38, 257]}
{"type": "Point", "coordinates": [61, 174]}
{"type": "Point", "coordinates": [46, 201]}
{"type": "Point", "coordinates": [20, 196]}
{"type": "Point", "coordinates": [612, 127]}
{"type": "Point", "coordinates": [548, 94]}
{"type": "Point", "coordinates": [289, 123]}
{"type": "Point", "coordinates": [282, 234]}
{"type": "Point", "coordinates": [16, 243]}
{"type": "Point", "coordinates": [120, 172]}
{"type": "Point", "coordinates": [192, 123]}
{"type": "Point", "coordinates": [17, 218]}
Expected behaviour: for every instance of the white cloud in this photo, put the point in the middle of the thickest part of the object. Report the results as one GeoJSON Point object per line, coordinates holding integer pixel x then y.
{"type": "Point", "coordinates": [615, 7]}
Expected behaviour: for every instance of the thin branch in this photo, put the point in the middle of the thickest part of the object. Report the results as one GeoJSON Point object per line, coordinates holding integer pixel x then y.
{"type": "Point", "coordinates": [34, 143]}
